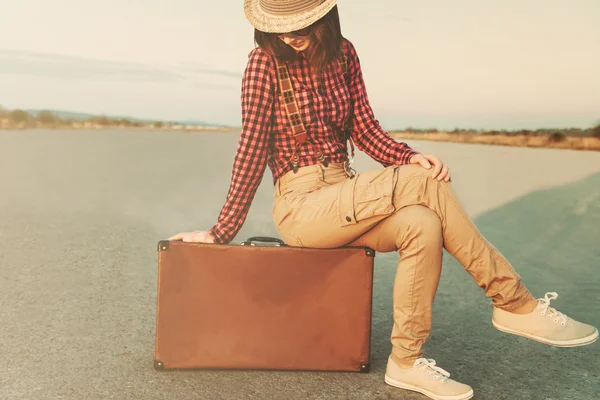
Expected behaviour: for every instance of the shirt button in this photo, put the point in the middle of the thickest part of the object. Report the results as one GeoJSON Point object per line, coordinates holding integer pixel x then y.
{"type": "Point", "coordinates": [348, 219]}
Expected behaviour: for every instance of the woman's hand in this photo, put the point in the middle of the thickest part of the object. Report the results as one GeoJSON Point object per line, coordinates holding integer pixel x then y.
{"type": "Point", "coordinates": [440, 170]}
{"type": "Point", "coordinates": [195, 237]}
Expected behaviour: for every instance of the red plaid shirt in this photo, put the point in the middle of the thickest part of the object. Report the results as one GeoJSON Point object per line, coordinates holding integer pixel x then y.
{"type": "Point", "coordinates": [324, 108]}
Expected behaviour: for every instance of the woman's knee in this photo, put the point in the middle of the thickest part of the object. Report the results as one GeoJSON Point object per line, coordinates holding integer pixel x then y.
{"type": "Point", "coordinates": [413, 170]}
{"type": "Point", "coordinates": [421, 222]}
{"type": "Point", "coordinates": [401, 228]}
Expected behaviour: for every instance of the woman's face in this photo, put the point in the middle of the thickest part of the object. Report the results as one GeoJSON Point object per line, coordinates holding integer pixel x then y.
{"type": "Point", "coordinates": [296, 42]}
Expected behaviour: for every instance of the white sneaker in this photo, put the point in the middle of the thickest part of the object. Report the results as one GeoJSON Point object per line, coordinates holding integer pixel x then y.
{"type": "Point", "coordinates": [545, 324]}
{"type": "Point", "coordinates": [424, 377]}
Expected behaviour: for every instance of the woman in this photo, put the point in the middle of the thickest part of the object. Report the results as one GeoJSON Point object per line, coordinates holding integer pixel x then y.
{"type": "Point", "coordinates": [302, 90]}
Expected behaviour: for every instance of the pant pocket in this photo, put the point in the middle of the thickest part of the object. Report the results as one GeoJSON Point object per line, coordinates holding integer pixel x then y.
{"type": "Point", "coordinates": [369, 194]}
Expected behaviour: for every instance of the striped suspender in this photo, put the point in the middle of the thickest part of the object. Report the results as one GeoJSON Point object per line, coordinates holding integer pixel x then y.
{"type": "Point", "coordinates": [293, 112]}
{"type": "Point", "coordinates": [348, 128]}
{"type": "Point", "coordinates": [347, 136]}
{"type": "Point", "coordinates": [291, 106]}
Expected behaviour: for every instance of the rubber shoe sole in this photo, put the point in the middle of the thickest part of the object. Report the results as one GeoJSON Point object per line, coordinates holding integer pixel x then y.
{"type": "Point", "coordinates": [556, 343]}
{"type": "Point", "coordinates": [427, 393]}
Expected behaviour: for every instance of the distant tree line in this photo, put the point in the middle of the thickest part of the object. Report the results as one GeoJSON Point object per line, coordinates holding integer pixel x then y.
{"type": "Point", "coordinates": [21, 118]}
{"type": "Point", "coordinates": [45, 118]}
{"type": "Point", "coordinates": [554, 134]}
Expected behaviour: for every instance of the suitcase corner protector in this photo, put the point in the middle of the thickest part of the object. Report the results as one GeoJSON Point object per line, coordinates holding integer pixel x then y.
{"type": "Point", "coordinates": [369, 252]}
{"type": "Point", "coordinates": [159, 365]}
{"type": "Point", "coordinates": [365, 367]}
{"type": "Point", "coordinates": [163, 245]}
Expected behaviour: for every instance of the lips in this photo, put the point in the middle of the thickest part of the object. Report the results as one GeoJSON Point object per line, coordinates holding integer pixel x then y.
{"type": "Point", "coordinates": [297, 43]}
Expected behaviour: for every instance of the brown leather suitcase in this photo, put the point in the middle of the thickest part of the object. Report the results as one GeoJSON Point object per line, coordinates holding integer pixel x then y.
{"type": "Point", "coordinates": [263, 306]}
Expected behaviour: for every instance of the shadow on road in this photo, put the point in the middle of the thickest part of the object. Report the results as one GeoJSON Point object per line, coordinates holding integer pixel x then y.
{"type": "Point", "coordinates": [552, 238]}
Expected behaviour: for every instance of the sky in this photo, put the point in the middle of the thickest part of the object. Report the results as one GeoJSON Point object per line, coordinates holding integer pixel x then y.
{"type": "Point", "coordinates": [507, 64]}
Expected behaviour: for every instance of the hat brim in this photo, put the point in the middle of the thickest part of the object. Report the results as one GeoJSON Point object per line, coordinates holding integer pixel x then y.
{"type": "Point", "coordinates": [270, 23]}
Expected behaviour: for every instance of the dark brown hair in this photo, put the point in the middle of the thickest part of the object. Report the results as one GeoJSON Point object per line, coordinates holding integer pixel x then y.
{"type": "Point", "coordinates": [325, 48]}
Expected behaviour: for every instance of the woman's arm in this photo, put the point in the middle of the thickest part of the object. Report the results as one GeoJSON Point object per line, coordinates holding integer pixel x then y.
{"type": "Point", "coordinates": [252, 151]}
{"type": "Point", "coordinates": [368, 135]}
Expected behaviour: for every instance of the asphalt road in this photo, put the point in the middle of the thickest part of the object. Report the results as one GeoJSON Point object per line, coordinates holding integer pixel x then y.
{"type": "Point", "coordinates": [81, 213]}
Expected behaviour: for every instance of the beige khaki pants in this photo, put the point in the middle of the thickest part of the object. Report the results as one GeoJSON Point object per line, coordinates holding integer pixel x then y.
{"type": "Point", "coordinates": [399, 208]}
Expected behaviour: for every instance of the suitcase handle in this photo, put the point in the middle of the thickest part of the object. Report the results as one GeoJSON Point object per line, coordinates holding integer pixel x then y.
{"type": "Point", "coordinates": [249, 241]}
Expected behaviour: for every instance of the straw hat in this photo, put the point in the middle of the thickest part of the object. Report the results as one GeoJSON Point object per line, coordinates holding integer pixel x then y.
{"type": "Point", "coordinates": [282, 16]}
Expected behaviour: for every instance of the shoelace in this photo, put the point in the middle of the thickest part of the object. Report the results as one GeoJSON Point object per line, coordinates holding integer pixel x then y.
{"type": "Point", "coordinates": [544, 305]}
{"type": "Point", "coordinates": [440, 373]}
